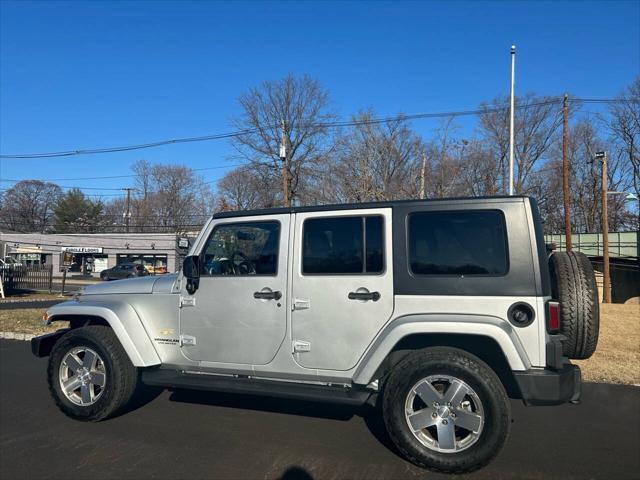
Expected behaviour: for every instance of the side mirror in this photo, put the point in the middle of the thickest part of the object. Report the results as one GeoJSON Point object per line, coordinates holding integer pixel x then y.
{"type": "Point", "coordinates": [191, 271]}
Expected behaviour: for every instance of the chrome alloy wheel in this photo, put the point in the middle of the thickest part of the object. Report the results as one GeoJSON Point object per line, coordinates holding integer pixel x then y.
{"type": "Point", "coordinates": [82, 376]}
{"type": "Point", "coordinates": [444, 413]}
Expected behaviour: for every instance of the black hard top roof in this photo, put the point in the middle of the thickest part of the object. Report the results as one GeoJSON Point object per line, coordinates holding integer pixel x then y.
{"type": "Point", "coordinates": [355, 206]}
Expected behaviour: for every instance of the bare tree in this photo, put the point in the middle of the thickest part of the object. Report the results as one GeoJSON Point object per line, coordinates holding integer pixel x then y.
{"type": "Point", "coordinates": [536, 123]}
{"type": "Point", "coordinates": [625, 127]}
{"type": "Point", "coordinates": [244, 189]}
{"type": "Point", "coordinates": [374, 161]}
{"type": "Point", "coordinates": [28, 206]}
{"type": "Point", "coordinates": [477, 169]}
{"type": "Point", "coordinates": [303, 105]}
{"type": "Point", "coordinates": [586, 195]}
{"type": "Point", "coordinates": [168, 198]}
{"type": "Point", "coordinates": [179, 196]}
{"type": "Point", "coordinates": [444, 154]}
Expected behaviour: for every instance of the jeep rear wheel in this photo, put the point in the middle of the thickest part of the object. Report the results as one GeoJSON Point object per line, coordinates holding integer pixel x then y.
{"type": "Point", "coordinates": [446, 410]}
{"type": "Point", "coordinates": [90, 375]}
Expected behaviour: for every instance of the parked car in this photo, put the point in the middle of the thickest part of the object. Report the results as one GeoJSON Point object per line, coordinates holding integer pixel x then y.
{"type": "Point", "coordinates": [124, 270]}
{"type": "Point", "coordinates": [157, 270]}
{"type": "Point", "coordinates": [435, 311]}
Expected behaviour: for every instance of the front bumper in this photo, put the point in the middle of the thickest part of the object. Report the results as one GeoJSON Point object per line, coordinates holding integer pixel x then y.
{"type": "Point", "coordinates": [550, 387]}
{"type": "Point", "coordinates": [41, 346]}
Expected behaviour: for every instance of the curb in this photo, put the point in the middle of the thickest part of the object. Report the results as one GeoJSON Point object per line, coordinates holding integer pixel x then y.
{"type": "Point", "coordinates": [17, 336]}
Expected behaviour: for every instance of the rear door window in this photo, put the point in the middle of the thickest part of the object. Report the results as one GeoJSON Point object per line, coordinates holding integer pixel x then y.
{"type": "Point", "coordinates": [458, 243]}
{"type": "Point", "coordinates": [343, 245]}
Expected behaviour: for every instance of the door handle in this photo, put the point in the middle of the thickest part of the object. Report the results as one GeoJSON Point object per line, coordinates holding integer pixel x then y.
{"type": "Point", "coordinates": [375, 296]}
{"type": "Point", "coordinates": [267, 295]}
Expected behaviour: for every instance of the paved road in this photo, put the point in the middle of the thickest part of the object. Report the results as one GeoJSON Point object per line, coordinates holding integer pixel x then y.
{"type": "Point", "coordinates": [207, 435]}
{"type": "Point", "coordinates": [31, 304]}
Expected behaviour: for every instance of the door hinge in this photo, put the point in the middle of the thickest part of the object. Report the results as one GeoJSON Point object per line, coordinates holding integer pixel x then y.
{"type": "Point", "coordinates": [301, 346]}
{"type": "Point", "coordinates": [187, 341]}
{"type": "Point", "coordinates": [187, 301]}
{"type": "Point", "coordinates": [299, 304]}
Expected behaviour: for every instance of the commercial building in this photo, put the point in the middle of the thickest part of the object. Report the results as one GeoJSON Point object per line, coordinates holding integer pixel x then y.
{"type": "Point", "coordinates": [89, 254]}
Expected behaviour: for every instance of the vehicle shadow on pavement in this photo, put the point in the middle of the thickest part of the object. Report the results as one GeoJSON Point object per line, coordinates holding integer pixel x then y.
{"type": "Point", "coordinates": [296, 473]}
{"type": "Point", "coordinates": [372, 416]}
{"type": "Point", "coordinates": [266, 404]}
{"type": "Point", "coordinates": [143, 396]}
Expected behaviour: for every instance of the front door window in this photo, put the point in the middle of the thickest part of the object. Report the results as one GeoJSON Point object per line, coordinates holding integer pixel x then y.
{"type": "Point", "coordinates": [242, 249]}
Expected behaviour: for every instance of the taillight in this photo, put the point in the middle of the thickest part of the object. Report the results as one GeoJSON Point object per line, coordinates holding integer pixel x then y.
{"type": "Point", "coordinates": [553, 317]}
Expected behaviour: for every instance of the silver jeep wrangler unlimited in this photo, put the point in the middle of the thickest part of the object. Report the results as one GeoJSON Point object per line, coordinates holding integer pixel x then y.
{"type": "Point", "coordinates": [435, 311]}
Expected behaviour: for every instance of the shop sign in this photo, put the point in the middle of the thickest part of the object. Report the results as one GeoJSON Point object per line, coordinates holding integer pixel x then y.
{"type": "Point", "coordinates": [66, 259]}
{"type": "Point", "coordinates": [183, 242]}
{"type": "Point", "coordinates": [29, 250]}
{"type": "Point", "coordinates": [82, 249]}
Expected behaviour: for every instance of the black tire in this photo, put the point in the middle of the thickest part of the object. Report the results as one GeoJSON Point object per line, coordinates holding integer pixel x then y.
{"type": "Point", "coordinates": [103, 277]}
{"type": "Point", "coordinates": [121, 377]}
{"type": "Point", "coordinates": [573, 284]}
{"type": "Point", "coordinates": [462, 366]}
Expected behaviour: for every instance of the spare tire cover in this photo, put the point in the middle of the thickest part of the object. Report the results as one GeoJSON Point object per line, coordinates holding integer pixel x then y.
{"type": "Point", "coordinates": [573, 284]}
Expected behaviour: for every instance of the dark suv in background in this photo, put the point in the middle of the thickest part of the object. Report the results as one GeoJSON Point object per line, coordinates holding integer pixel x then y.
{"type": "Point", "coordinates": [124, 270]}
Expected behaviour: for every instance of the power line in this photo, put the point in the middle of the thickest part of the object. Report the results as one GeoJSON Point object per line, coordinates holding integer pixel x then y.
{"type": "Point", "coordinates": [605, 100]}
{"type": "Point", "coordinates": [129, 147]}
{"type": "Point", "coordinates": [14, 180]}
{"type": "Point", "coordinates": [86, 195]}
{"type": "Point", "coordinates": [338, 124]}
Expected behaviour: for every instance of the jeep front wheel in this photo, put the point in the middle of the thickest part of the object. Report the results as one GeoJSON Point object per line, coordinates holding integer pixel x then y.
{"type": "Point", "coordinates": [90, 375]}
{"type": "Point", "coordinates": [446, 410]}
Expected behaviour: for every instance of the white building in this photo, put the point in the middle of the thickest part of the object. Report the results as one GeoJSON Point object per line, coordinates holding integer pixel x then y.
{"type": "Point", "coordinates": [92, 253]}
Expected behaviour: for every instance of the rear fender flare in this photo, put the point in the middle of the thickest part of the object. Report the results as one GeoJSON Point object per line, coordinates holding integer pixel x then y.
{"type": "Point", "coordinates": [401, 327]}
{"type": "Point", "coordinates": [122, 319]}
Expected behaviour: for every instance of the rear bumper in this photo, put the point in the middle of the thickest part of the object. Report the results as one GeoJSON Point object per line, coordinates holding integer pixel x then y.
{"type": "Point", "coordinates": [550, 387]}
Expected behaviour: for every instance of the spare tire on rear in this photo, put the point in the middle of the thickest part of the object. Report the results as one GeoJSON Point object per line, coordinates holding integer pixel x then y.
{"type": "Point", "coordinates": [573, 284]}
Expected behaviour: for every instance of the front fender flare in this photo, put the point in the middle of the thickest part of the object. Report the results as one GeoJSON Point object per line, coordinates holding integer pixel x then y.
{"type": "Point", "coordinates": [122, 319]}
{"type": "Point", "coordinates": [401, 327]}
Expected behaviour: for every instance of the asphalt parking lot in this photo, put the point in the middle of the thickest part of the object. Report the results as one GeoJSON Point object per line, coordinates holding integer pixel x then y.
{"type": "Point", "coordinates": [208, 435]}
{"type": "Point", "coordinates": [44, 304]}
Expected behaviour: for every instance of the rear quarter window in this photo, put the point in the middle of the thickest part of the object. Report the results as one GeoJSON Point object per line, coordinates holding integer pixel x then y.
{"type": "Point", "coordinates": [463, 243]}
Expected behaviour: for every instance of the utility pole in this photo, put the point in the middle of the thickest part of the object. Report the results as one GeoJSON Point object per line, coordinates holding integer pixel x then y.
{"type": "Point", "coordinates": [127, 213]}
{"type": "Point", "coordinates": [511, 120]}
{"type": "Point", "coordinates": [565, 173]}
{"type": "Point", "coordinates": [285, 165]}
{"type": "Point", "coordinates": [423, 175]}
{"type": "Point", "coordinates": [606, 284]}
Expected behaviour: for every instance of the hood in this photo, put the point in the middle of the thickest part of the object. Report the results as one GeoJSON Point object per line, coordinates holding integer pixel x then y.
{"type": "Point", "coordinates": [152, 284]}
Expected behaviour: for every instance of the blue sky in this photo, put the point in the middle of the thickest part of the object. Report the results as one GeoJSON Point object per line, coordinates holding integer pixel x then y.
{"type": "Point", "coordinates": [96, 74]}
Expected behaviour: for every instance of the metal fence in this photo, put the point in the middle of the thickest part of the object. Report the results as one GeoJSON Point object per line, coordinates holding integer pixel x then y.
{"type": "Point", "coordinates": [26, 277]}
{"type": "Point", "coordinates": [621, 244]}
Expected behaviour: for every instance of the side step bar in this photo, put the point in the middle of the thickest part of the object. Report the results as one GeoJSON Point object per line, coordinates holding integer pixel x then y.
{"type": "Point", "coordinates": [251, 386]}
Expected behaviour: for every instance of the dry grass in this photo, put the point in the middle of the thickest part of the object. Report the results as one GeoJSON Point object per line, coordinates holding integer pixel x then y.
{"type": "Point", "coordinates": [26, 320]}
{"type": "Point", "coordinates": [617, 358]}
